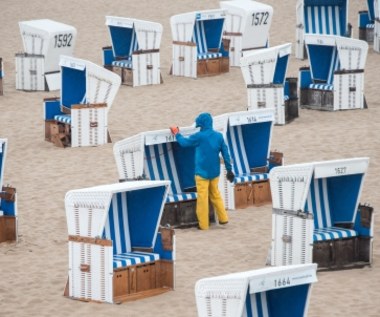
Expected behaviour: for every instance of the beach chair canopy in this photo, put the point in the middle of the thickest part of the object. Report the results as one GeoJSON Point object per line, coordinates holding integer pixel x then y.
{"type": "Point", "coordinates": [127, 213]}
{"type": "Point", "coordinates": [266, 66]}
{"type": "Point", "coordinates": [273, 292]}
{"type": "Point", "coordinates": [324, 16]}
{"type": "Point", "coordinates": [205, 28]}
{"type": "Point", "coordinates": [250, 19]}
{"type": "Point", "coordinates": [328, 54]}
{"type": "Point", "coordinates": [48, 38]}
{"type": "Point", "coordinates": [330, 190]}
{"type": "Point", "coordinates": [84, 82]}
{"type": "Point", "coordinates": [131, 35]}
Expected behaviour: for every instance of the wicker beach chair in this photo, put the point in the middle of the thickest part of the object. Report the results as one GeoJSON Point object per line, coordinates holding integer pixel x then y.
{"type": "Point", "coordinates": [317, 216]}
{"type": "Point", "coordinates": [44, 41]}
{"type": "Point", "coordinates": [135, 50]}
{"type": "Point", "coordinates": [268, 292]}
{"type": "Point", "coordinates": [198, 49]}
{"type": "Point", "coordinates": [79, 117]}
{"type": "Point", "coordinates": [264, 72]}
{"type": "Point", "coordinates": [335, 78]}
{"type": "Point", "coordinates": [8, 201]}
{"type": "Point", "coordinates": [246, 27]}
{"type": "Point", "coordinates": [117, 252]}
{"type": "Point", "coordinates": [325, 17]}
{"type": "Point", "coordinates": [366, 22]}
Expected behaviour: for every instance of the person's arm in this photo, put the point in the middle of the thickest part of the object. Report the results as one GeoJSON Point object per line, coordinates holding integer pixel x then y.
{"type": "Point", "coordinates": [190, 141]}
{"type": "Point", "coordinates": [226, 156]}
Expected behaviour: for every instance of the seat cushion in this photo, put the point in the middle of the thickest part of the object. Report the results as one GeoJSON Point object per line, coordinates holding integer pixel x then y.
{"type": "Point", "coordinates": [333, 233]}
{"type": "Point", "coordinates": [321, 86]}
{"type": "Point", "coordinates": [209, 55]}
{"type": "Point", "coordinates": [242, 178]}
{"type": "Point", "coordinates": [370, 26]}
{"type": "Point", "coordinates": [64, 118]}
{"type": "Point", "coordinates": [133, 258]}
{"type": "Point", "coordinates": [122, 63]}
{"type": "Point", "coordinates": [181, 197]}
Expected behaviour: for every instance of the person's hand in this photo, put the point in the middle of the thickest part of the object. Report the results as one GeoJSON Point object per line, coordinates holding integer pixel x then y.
{"type": "Point", "coordinates": [174, 130]}
{"type": "Point", "coordinates": [230, 176]}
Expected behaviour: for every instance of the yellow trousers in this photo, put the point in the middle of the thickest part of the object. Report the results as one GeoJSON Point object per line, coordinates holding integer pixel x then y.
{"type": "Point", "coordinates": [208, 189]}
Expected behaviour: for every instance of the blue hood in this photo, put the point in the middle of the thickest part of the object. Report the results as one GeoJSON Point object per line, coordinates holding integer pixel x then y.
{"type": "Point", "coordinates": [204, 121]}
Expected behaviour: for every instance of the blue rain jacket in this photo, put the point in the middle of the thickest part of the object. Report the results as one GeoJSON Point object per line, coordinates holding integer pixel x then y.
{"type": "Point", "coordinates": [208, 143]}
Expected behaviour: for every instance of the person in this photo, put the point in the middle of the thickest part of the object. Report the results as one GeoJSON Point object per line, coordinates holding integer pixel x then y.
{"type": "Point", "coordinates": [208, 145]}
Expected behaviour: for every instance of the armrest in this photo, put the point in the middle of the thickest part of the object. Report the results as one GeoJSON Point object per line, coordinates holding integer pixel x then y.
{"type": "Point", "coordinates": [364, 220]}
{"type": "Point", "coordinates": [52, 107]}
{"type": "Point", "coordinates": [108, 57]}
{"type": "Point", "coordinates": [363, 19]}
{"type": "Point", "coordinates": [165, 243]}
{"type": "Point", "coordinates": [8, 201]}
{"type": "Point", "coordinates": [305, 77]}
{"type": "Point", "coordinates": [275, 159]}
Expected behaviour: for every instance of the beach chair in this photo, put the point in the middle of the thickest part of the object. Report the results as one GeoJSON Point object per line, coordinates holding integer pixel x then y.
{"type": "Point", "coordinates": [156, 155]}
{"type": "Point", "coordinates": [264, 72]}
{"type": "Point", "coordinates": [117, 252]}
{"type": "Point", "coordinates": [198, 48]}
{"type": "Point", "coordinates": [79, 116]}
{"type": "Point", "coordinates": [268, 292]}
{"type": "Point", "coordinates": [37, 68]}
{"type": "Point", "coordinates": [248, 136]}
{"type": "Point", "coordinates": [376, 36]}
{"type": "Point", "coordinates": [317, 216]}
{"type": "Point", "coordinates": [366, 22]}
{"type": "Point", "coordinates": [335, 78]}
{"type": "Point", "coordinates": [8, 201]}
{"type": "Point", "coordinates": [329, 17]}
{"type": "Point", "coordinates": [246, 27]}
{"type": "Point", "coordinates": [135, 50]}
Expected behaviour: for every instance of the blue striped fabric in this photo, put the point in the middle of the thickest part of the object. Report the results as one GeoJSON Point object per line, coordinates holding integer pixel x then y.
{"type": "Point", "coordinates": [286, 97]}
{"type": "Point", "coordinates": [370, 26]}
{"type": "Point", "coordinates": [160, 165]}
{"type": "Point", "coordinates": [256, 305]}
{"type": "Point", "coordinates": [133, 258]}
{"type": "Point", "coordinates": [333, 233]}
{"type": "Point", "coordinates": [333, 66]}
{"type": "Point", "coordinates": [321, 86]}
{"type": "Point", "coordinates": [209, 55]}
{"type": "Point", "coordinates": [239, 158]}
{"type": "Point", "coordinates": [64, 118]}
{"type": "Point", "coordinates": [323, 20]}
{"type": "Point", "coordinates": [200, 39]}
{"type": "Point", "coordinates": [122, 63]}
{"type": "Point", "coordinates": [117, 226]}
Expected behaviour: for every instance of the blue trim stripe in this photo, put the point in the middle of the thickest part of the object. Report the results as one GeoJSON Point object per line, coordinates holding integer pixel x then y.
{"type": "Point", "coordinates": [64, 118]}
{"type": "Point", "coordinates": [256, 305]}
{"type": "Point", "coordinates": [133, 258]}
{"type": "Point", "coordinates": [122, 63]}
{"type": "Point", "coordinates": [209, 55]}
{"type": "Point", "coordinates": [333, 233]}
{"type": "Point", "coordinates": [321, 19]}
{"type": "Point", "coordinates": [242, 178]}
{"type": "Point", "coordinates": [181, 197]}
{"type": "Point", "coordinates": [326, 87]}
{"type": "Point", "coordinates": [237, 150]}
{"type": "Point", "coordinates": [200, 37]}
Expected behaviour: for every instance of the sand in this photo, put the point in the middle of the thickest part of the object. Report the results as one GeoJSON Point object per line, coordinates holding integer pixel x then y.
{"type": "Point", "coordinates": [33, 272]}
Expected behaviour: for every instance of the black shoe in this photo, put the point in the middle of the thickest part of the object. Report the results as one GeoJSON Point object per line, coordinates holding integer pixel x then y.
{"type": "Point", "coordinates": [223, 223]}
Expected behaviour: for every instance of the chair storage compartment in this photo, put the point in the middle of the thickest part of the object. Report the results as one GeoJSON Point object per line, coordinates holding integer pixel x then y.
{"type": "Point", "coordinates": [187, 214]}
{"type": "Point", "coordinates": [145, 277]}
{"type": "Point", "coordinates": [213, 66]}
{"type": "Point", "coordinates": [317, 99]}
{"type": "Point", "coordinates": [322, 253]}
{"type": "Point", "coordinates": [366, 34]}
{"type": "Point", "coordinates": [261, 193]}
{"type": "Point", "coordinates": [125, 74]}
{"type": "Point", "coordinates": [345, 252]}
{"type": "Point", "coordinates": [201, 68]}
{"type": "Point", "coordinates": [291, 110]}
{"type": "Point", "coordinates": [122, 282]}
{"type": "Point", "coordinates": [7, 228]}
{"type": "Point", "coordinates": [240, 192]}
{"type": "Point", "coordinates": [209, 67]}
{"type": "Point", "coordinates": [224, 65]}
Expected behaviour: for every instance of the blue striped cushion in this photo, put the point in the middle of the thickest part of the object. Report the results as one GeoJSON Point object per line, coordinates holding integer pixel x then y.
{"type": "Point", "coordinates": [286, 97]}
{"type": "Point", "coordinates": [333, 233]}
{"type": "Point", "coordinates": [242, 178]}
{"type": "Point", "coordinates": [321, 86]}
{"type": "Point", "coordinates": [370, 26]}
{"type": "Point", "coordinates": [209, 55]}
{"type": "Point", "coordinates": [133, 258]}
{"type": "Point", "coordinates": [122, 63]}
{"type": "Point", "coordinates": [323, 20]}
{"type": "Point", "coordinates": [180, 197]}
{"type": "Point", "coordinates": [64, 118]}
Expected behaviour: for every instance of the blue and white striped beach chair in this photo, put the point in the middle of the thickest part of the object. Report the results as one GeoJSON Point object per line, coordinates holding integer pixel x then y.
{"type": "Point", "coordinates": [79, 116]}
{"type": "Point", "coordinates": [116, 250]}
{"type": "Point", "coordinates": [329, 17]}
{"type": "Point", "coordinates": [197, 44]}
{"type": "Point", "coordinates": [366, 22]}
{"type": "Point", "coordinates": [8, 201]}
{"type": "Point", "coordinates": [268, 292]}
{"type": "Point", "coordinates": [135, 50]}
{"type": "Point", "coordinates": [317, 216]}
{"type": "Point", "coordinates": [335, 78]}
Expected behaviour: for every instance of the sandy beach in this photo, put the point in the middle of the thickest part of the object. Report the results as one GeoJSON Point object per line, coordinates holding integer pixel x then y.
{"type": "Point", "coordinates": [33, 272]}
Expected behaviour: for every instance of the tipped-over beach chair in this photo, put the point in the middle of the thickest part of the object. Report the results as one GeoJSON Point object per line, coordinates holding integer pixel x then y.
{"type": "Point", "coordinates": [8, 202]}
{"type": "Point", "coordinates": [328, 17]}
{"type": "Point", "coordinates": [37, 68]}
{"type": "Point", "coordinates": [264, 73]}
{"type": "Point", "coordinates": [246, 27]}
{"type": "Point", "coordinates": [376, 36]}
{"type": "Point", "coordinates": [156, 155]}
{"type": "Point", "coordinates": [268, 292]}
{"type": "Point", "coordinates": [317, 216]}
{"type": "Point", "coordinates": [135, 50]}
{"type": "Point", "coordinates": [335, 78]}
{"type": "Point", "coordinates": [198, 48]}
{"type": "Point", "coordinates": [117, 252]}
{"type": "Point", "coordinates": [79, 116]}
{"type": "Point", "coordinates": [366, 22]}
{"type": "Point", "coordinates": [248, 135]}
